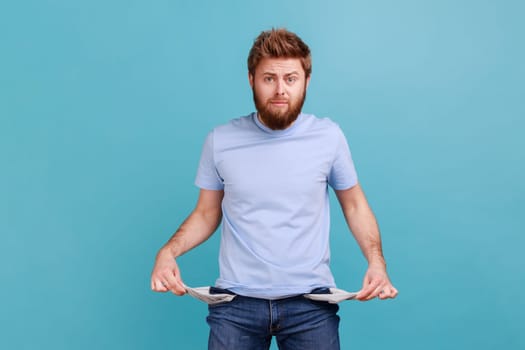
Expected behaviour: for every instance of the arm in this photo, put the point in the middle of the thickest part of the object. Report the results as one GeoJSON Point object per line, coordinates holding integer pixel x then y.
{"type": "Point", "coordinates": [197, 228]}
{"type": "Point", "coordinates": [363, 225]}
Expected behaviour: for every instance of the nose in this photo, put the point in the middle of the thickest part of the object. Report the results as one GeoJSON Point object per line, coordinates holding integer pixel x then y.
{"type": "Point", "coordinates": [279, 88]}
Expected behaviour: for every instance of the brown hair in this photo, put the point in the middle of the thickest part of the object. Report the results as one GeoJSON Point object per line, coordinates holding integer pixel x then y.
{"type": "Point", "coordinates": [279, 43]}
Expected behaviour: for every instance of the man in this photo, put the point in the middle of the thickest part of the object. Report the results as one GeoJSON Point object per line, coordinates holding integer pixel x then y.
{"type": "Point", "coordinates": [265, 176]}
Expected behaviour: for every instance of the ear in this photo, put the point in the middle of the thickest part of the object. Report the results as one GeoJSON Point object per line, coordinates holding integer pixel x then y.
{"type": "Point", "coordinates": [250, 79]}
{"type": "Point", "coordinates": [308, 81]}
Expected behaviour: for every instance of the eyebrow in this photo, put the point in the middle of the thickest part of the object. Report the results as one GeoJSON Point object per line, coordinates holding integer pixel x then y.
{"type": "Point", "coordinates": [287, 74]}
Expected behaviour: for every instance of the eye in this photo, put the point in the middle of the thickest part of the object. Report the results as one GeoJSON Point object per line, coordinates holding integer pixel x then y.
{"type": "Point", "coordinates": [268, 79]}
{"type": "Point", "coordinates": [291, 79]}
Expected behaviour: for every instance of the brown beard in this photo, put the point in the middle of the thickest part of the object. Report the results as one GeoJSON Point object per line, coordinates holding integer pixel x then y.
{"type": "Point", "coordinates": [278, 120]}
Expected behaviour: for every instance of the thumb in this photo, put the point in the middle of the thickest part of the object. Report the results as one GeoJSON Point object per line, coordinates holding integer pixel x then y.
{"type": "Point", "coordinates": [365, 288]}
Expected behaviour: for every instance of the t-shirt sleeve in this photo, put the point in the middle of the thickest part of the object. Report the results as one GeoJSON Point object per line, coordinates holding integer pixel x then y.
{"type": "Point", "coordinates": [342, 174]}
{"type": "Point", "coordinates": [207, 176]}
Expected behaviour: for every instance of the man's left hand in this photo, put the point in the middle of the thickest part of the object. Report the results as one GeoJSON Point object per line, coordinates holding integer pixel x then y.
{"type": "Point", "coordinates": [376, 284]}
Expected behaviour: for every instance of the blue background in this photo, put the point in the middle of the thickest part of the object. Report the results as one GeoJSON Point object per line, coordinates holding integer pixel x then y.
{"type": "Point", "coordinates": [104, 106]}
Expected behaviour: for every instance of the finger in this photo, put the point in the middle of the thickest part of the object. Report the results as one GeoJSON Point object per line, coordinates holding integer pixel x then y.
{"type": "Point", "coordinates": [174, 284]}
{"type": "Point", "coordinates": [181, 287]}
{"type": "Point", "coordinates": [377, 292]}
{"type": "Point", "coordinates": [393, 293]}
{"type": "Point", "coordinates": [159, 286]}
{"type": "Point", "coordinates": [366, 291]}
{"type": "Point", "coordinates": [396, 292]}
{"type": "Point", "coordinates": [364, 294]}
{"type": "Point", "coordinates": [178, 288]}
{"type": "Point", "coordinates": [388, 292]}
{"type": "Point", "coordinates": [162, 286]}
{"type": "Point", "coordinates": [153, 284]}
{"type": "Point", "coordinates": [385, 293]}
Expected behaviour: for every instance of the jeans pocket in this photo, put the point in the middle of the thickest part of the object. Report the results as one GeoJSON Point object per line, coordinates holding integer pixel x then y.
{"type": "Point", "coordinates": [333, 296]}
{"type": "Point", "coordinates": [318, 295]}
{"type": "Point", "coordinates": [216, 290]}
{"type": "Point", "coordinates": [211, 296]}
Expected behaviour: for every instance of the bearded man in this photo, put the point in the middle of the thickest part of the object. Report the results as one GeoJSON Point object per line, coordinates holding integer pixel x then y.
{"type": "Point", "coordinates": [265, 178]}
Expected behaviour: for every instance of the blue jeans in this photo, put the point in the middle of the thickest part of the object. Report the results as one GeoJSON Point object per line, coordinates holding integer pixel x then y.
{"type": "Point", "coordinates": [296, 322]}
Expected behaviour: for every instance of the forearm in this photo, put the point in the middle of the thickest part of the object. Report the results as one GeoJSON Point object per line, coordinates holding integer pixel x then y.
{"type": "Point", "coordinates": [199, 225]}
{"type": "Point", "coordinates": [196, 229]}
{"type": "Point", "coordinates": [363, 225]}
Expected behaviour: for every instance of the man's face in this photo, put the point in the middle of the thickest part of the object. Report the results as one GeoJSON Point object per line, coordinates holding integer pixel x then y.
{"type": "Point", "coordinates": [279, 89]}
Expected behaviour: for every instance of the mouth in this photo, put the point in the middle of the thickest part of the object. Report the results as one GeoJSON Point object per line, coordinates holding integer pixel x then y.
{"type": "Point", "coordinates": [279, 102]}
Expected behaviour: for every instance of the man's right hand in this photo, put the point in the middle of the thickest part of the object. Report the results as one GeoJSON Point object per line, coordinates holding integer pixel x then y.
{"type": "Point", "coordinates": [166, 276]}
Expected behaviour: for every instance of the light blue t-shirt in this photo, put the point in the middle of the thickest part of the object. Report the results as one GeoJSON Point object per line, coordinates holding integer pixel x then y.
{"type": "Point", "coordinates": [276, 220]}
